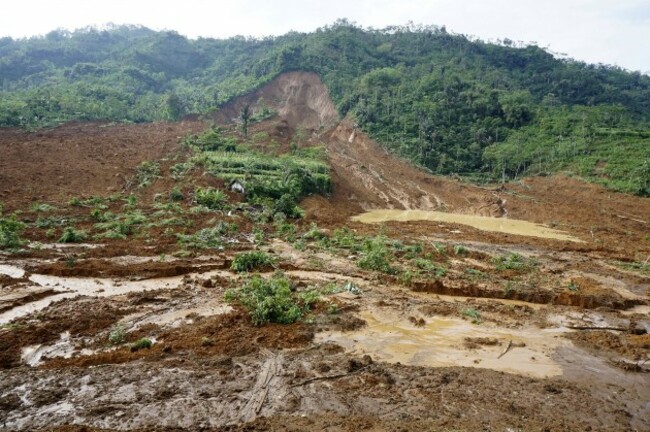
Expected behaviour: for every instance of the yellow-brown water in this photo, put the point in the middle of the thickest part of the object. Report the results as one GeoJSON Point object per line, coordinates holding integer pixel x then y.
{"type": "Point", "coordinates": [390, 336]}
{"type": "Point", "coordinates": [508, 226]}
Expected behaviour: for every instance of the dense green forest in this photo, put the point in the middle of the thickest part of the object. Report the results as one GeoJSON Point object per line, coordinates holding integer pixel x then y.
{"type": "Point", "coordinates": [445, 101]}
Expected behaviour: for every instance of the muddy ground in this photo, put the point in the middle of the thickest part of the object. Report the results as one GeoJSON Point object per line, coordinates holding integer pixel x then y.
{"type": "Point", "coordinates": [469, 329]}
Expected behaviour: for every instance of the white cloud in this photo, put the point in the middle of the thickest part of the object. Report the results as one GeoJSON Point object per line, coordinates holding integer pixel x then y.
{"type": "Point", "coordinates": [596, 31]}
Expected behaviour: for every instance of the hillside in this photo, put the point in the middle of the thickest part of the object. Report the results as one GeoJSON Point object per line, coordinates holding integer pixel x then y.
{"type": "Point", "coordinates": [132, 272]}
{"type": "Point", "coordinates": [440, 100]}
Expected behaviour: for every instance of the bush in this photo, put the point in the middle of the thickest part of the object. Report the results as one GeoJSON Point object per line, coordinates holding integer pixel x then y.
{"type": "Point", "coordinates": [71, 235]}
{"type": "Point", "coordinates": [513, 262]}
{"type": "Point", "coordinates": [247, 261]}
{"type": "Point", "coordinates": [377, 256]}
{"type": "Point", "coordinates": [10, 230]}
{"type": "Point", "coordinates": [287, 205]}
{"type": "Point", "coordinates": [116, 335]}
{"type": "Point", "coordinates": [141, 344]}
{"type": "Point", "coordinates": [146, 172]}
{"type": "Point", "coordinates": [271, 300]}
{"type": "Point", "coordinates": [176, 195]}
{"type": "Point", "coordinates": [212, 198]}
{"type": "Point", "coordinates": [207, 238]}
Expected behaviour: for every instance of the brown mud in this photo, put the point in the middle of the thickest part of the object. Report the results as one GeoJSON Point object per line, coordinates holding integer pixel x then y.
{"type": "Point", "coordinates": [513, 332]}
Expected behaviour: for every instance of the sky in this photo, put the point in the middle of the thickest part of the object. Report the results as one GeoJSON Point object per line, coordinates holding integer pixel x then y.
{"type": "Point", "coordinates": [595, 31]}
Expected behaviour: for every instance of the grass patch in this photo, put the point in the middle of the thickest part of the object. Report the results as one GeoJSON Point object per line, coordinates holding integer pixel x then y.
{"type": "Point", "coordinates": [272, 300]}
{"type": "Point", "coordinates": [71, 235]}
{"type": "Point", "coordinates": [513, 262]}
{"type": "Point", "coordinates": [248, 261]}
{"type": "Point", "coordinates": [10, 230]}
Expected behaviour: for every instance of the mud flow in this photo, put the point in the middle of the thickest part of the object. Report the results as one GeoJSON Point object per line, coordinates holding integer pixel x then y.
{"type": "Point", "coordinates": [398, 301]}
{"type": "Point", "coordinates": [501, 225]}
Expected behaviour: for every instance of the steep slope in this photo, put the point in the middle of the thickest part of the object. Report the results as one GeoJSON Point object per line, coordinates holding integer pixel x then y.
{"type": "Point", "coordinates": [299, 98]}
{"type": "Point", "coordinates": [365, 175]}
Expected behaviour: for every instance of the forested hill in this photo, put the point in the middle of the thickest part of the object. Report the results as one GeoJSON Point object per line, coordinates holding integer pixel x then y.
{"type": "Point", "coordinates": [446, 102]}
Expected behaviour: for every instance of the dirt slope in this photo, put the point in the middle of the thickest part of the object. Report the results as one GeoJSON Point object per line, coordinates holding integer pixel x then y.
{"type": "Point", "coordinates": [80, 158]}
{"type": "Point", "coordinates": [299, 98]}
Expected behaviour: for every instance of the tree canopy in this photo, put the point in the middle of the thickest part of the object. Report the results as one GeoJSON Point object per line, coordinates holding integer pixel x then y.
{"type": "Point", "coordinates": [445, 101]}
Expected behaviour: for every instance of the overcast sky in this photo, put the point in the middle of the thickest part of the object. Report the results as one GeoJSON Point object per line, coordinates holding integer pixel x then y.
{"type": "Point", "coordinates": [596, 31]}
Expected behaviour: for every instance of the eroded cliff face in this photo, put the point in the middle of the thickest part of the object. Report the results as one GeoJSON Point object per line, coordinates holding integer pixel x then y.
{"type": "Point", "coordinates": [299, 98]}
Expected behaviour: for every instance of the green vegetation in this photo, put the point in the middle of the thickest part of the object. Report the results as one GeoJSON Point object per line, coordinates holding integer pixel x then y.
{"type": "Point", "coordinates": [117, 334]}
{"type": "Point", "coordinates": [376, 255]}
{"type": "Point", "coordinates": [248, 261]}
{"type": "Point", "coordinates": [513, 261]}
{"type": "Point", "coordinates": [141, 344]}
{"type": "Point", "coordinates": [473, 314]}
{"type": "Point", "coordinates": [211, 198]}
{"type": "Point", "coordinates": [120, 226]}
{"type": "Point", "coordinates": [71, 235]}
{"type": "Point", "coordinates": [10, 230]}
{"type": "Point", "coordinates": [208, 238]}
{"type": "Point", "coordinates": [272, 300]}
{"type": "Point", "coordinates": [446, 102]}
{"type": "Point", "coordinates": [147, 172]}
{"type": "Point", "coordinates": [42, 208]}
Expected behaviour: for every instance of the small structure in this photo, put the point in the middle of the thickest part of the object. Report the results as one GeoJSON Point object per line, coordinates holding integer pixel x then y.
{"type": "Point", "coordinates": [237, 186]}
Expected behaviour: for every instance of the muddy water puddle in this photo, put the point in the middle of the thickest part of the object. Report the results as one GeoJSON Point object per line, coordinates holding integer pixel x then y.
{"type": "Point", "coordinates": [71, 287]}
{"type": "Point", "coordinates": [390, 336]}
{"type": "Point", "coordinates": [507, 226]}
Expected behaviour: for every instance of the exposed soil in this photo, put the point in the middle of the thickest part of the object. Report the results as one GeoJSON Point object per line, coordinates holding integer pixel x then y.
{"type": "Point", "coordinates": [551, 334]}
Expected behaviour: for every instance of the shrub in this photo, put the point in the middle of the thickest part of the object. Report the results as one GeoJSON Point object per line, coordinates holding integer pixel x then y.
{"type": "Point", "coordinates": [286, 204]}
{"type": "Point", "coordinates": [116, 336]}
{"type": "Point", "coordinates": [247, 261]}
{"type": "Point", "coordinates": [271, 300]}
{"type": "Point", "coordinates": [212, 198]}
{"type": "Point", "coordinates": [513, 262]}
{"type": "Point", "coordinates": [71, 235]}
{"type": "Point", "coordinates": [430, 267]}
{"type": "Point", "coordinates": [146, 172]}
{"type": "Point", "coordinates": [141, 344]}
{"type": "Point", "coordinates": [176, 195]}
{"type": "Point", "coordinates": [36, 207]}
{"type": "Point", "coordinates": [10, 230]}
{"type": "Point", "coordinates": [207, 238]}
{"type": "Point", "coordinates": [376, 256]}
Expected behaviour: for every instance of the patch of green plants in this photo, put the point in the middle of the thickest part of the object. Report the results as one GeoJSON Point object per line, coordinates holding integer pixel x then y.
{"type": "Point", "coordinates": [214, 139]}
{"type": "Point", "coordinates": [211, 198]}
{"type": "Point", "coordinates": [513, 262]}
{"type": "Point", "coordinates": [121, 226]}
{"type": "Point", "coordinates": [143, 343]}
{"type": "Point", "coordinates": [473, 314]}
{"type": "Point", "coordinates": [117, 334]}
{"type": "Point", "coordinates": [344, 238]}
{"type": "Point", "coordinates": [42, 207]}
{"type": "Point", "coordinates": [249, 261]}
{"type": "Point", "coordinates": [207, 238]}
{"type": "Point", "coordinates": [179, 170]}
{"type": "Point", "coordinates": [376, 255]}
{"type": "Point", "coordinates": [176, 195]}
{"type": "Point", "coordinates": [460, 250]}
{"type": "Point", "coordinates": [642, 267]}
{"type": "Point", "coordinates": [287, 232]}
{"type": "Point", "coordinates": [146, 173]}
{"type": "Point", "coordinates": [429, 267]}
{"type": "Point", "coordinates": [10, 231]}
{"type": "Point", "coordinates": [272, 300]}
{"type": "Point", "coordinates": [52, 221]}
{"type": "Point", "coordinates": [93, 201]}
{"type": "Point", "coordinates": [72, 235]}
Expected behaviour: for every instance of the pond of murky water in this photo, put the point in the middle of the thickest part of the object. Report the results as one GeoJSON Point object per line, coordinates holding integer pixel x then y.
{"type": "Point", "coordinates": [503, 225]}
{"type": "Point", "coordinates": [390, 336]}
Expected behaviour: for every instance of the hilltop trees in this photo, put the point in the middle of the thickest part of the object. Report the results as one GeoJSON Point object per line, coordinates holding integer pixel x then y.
{"type": "Point", "coordinates": [446, 102]}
